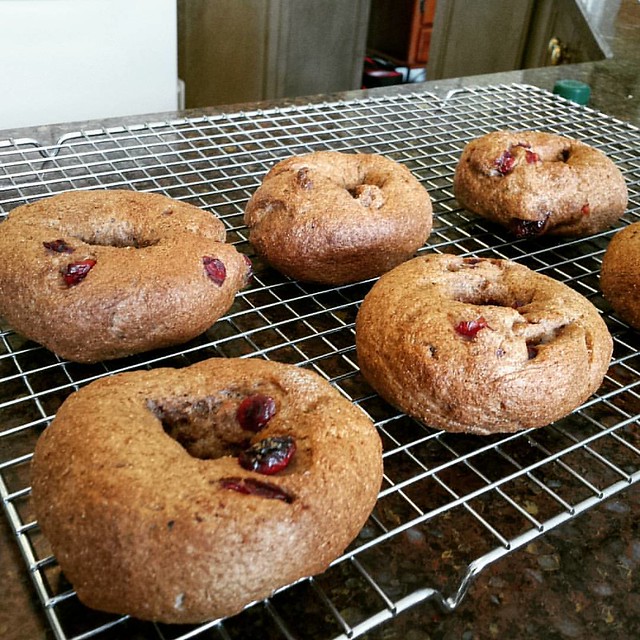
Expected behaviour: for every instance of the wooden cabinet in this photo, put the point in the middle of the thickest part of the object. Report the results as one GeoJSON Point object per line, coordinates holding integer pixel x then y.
{"type": "Point", "coordinates": [563, 24]}
{"type": "Point", "coordinates": [422, 26]}
{"type": "Point", "coordinates": [471, 38]}
{"type": "Point", "coordinates": [400, 30]}
{"type": "Point", "coordinates": [232, 51]}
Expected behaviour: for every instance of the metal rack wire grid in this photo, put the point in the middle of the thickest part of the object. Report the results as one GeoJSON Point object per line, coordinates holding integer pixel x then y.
{"type": "Point", "coordinates": [450, 504]}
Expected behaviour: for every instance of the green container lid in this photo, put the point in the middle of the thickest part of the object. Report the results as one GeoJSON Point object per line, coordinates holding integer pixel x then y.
{"type": "Point", "coordinates": [573, 90]}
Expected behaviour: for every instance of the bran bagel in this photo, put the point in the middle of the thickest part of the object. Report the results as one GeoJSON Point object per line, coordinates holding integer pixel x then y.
{"type": "Point", "coordinates": [537, 183]}
{"type": "Point", "coordinates": [182, 495]}
{"type": "Point", "coordinates": [620, 274]}
{"type": "Point", "coordinates": [335, 218]}
{"type": "Point", "coordinates": [96, 275]}
{"type": "Point", "coordinates": [480, 345]}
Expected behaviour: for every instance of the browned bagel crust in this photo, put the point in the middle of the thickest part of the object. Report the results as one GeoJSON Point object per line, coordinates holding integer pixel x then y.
{"type": "Point", "coordinates": [620, 274]}
{"type": "Point", "coordinates": [537, 350]}
{"type": "Point", "coordinates": [334, 218]}
{"type": "Point", "coordinates": [538, 183]}
{"type": "Point", "coordinates": [148, 288]}
{"type": "Point", "coordinates": [139, 526]}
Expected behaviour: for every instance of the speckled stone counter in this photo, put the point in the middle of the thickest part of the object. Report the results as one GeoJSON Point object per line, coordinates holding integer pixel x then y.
{"type": "Point", "coordinates": [581, 580]}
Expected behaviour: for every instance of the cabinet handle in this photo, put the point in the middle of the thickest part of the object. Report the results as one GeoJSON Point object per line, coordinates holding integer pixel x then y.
{"type": "Point", "coordinates": [557, 51]}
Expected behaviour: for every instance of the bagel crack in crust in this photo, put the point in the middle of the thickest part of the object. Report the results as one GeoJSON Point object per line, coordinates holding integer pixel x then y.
{"type": "Point", "coordinates": [480, 345]}
{"type": "Point", "coordinates": [96, 275]}
{"type": "Point", "coordinates": [335, 218]}
{"type": "Point", "coordinates": [538, 183]}
{"type": "Point", "coordinates": [182, 495]}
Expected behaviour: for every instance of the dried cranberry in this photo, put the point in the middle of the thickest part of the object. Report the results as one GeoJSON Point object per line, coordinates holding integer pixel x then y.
{"type": "Point", "coordinates": [505, 163]}
{"type": "Point", "coordinates": [269, 455]}
{"type": "Point", "coordinates": [76, 272]}
{"type": "Point", "coordinates": [531, 156]}
{"type": "Point", "coordinates": [528, 228]}
{"type": "Point", "coordinates": [215, 269]}
{"type": "Point", "coordinates": [250, 486]}
{"type": "Point", "coordinates": [58, 246]}
{"type": "Point", "coordinates": [255, 412]}
{"type": "Point", "coordinates": [469, 328]}
{"type": "Point", "coordinates": [586, 210]}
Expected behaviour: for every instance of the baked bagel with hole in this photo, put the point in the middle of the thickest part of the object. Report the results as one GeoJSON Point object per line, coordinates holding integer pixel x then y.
{"type": "Point", "coordinates": [620, 274]}
{"type": "Point", "coordinates": [480, 345]}
{"type": "Point", "coordinates": [182, 495]}
{"type": "Point", "coordinates": [537, 183]}
{"type": "Point", "coordinates": [334, 218]}
{"type": "Point", "coordinates": [96, 275]}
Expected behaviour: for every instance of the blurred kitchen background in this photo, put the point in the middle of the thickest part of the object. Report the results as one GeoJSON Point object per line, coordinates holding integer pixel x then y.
{"type": "Point", "coordinates": [76, 60]}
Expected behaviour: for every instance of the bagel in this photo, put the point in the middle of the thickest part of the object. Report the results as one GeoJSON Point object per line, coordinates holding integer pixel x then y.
{"type": "Point", "coordinates": [537, 183]}
{"type": "Point", "coordinates": [620, 274]}
{"type": "Point", "coordinates": [480, 345]}
{"type": "Point", "coordinates": [335, 218]}
{"type": "Point", "coordinates": [96, 275]}
{"type": "Point", "coordinates": [182, 495]}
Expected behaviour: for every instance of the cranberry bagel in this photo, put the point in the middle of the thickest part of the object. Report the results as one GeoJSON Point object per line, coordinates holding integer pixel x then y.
{"type": "Point", "coordinates": [182, 495]}
{"type": "Point", "coordinates": [537, 183]}
{"type": "Point", "coordinates": [96, 275]}
{"type": "Point", "coordinates": [620, 274]}
{"type": "Point", "coordinates": [335, 218]}
{"type": "Point", "coordinates": [480, 345]}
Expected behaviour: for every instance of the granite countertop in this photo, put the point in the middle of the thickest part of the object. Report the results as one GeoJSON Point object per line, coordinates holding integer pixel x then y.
{"type": "Point", "coordinates": [580, 580]}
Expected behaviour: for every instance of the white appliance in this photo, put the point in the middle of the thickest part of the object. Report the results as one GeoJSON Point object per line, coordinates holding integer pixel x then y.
{"type": "Point", "coordinates": [69, 60]}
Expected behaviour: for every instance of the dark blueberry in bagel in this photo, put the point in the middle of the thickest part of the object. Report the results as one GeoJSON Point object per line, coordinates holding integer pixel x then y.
{"type": "Point", "coordinates": [528, 228]}
{"type": "Point", "coordinates": [250, 486]}
{"type": "Point", "coordinates": [76, 272]}
{"type": "Point", "coordinates": [255, 412]}
{"type": "Point", "coordinates": [58, 246]}
{"type": "Point", "coordinates": [215, 269]}
{"type": "Point", "coordinates": [268, 456]}
{"type": "Point", "coordinates": [469, 328]}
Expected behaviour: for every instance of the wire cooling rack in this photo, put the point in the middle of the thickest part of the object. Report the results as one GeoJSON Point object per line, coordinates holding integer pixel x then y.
{"type": "Point", "coordinates": [450, 504]}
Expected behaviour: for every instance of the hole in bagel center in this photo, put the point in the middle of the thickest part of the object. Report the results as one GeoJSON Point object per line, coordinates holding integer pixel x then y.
{"type": "Point", "coordinates": [205, 427]}
{"type": "Point", "coordinates": [120, 236]}
{"type": "Point", "coordinates": [367, 195]}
